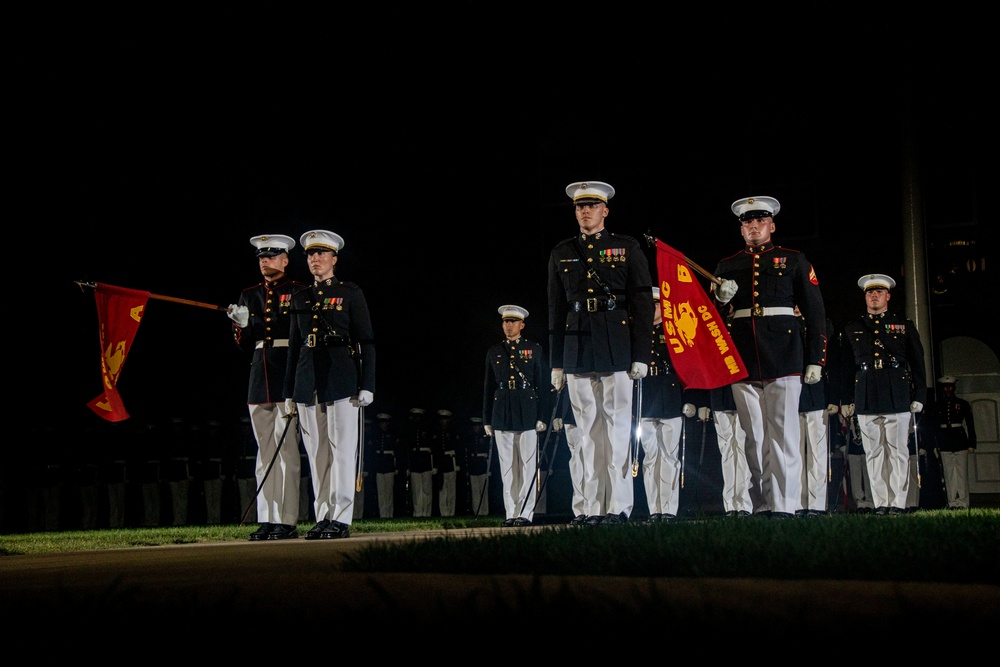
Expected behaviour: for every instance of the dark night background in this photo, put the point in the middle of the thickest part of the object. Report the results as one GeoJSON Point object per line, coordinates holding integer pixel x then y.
{"type": "Point", "coordinates": [150, 160]}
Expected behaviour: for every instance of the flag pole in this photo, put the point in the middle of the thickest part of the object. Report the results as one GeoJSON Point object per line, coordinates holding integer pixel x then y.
{"type": "Point", "coordinates": [651, 242]}
{"type": "Point", "coordinates": [161, 297]}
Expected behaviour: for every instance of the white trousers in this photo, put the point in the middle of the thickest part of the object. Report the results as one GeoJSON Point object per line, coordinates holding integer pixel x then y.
{"type": "Point", "coordinates": [385, 487]}
{"type": "Point", "coordinates": [573, 437]}
{"type": "Point", "coordinates": [769, 414]}
{"type": "Point", "coordinates": [735, 470]}
{"type": "Point", "coordinates": [602, 409]}
{"type": "Point", "coordinates": [421, 490]}
{"type": "Point", "coordinates": [956, 477]}
{"type": "Point", "coordinates": [661, 466]}
{"type": "Point", "coordinates": [886, 455]}
{"type": "Point", "coordinates": [480, 500]}
{"type": "Point", "coordinates": [278, 500]}
{"type": "Point", "coordinates": [330, 438]}
{"type": "Point", "coordinates": [517, 452]}
{"type": "Point", "coordinates": [447, 494]}
{"type": "Point", "coordinates": [861, 488]}
{"type": "Point", "coordinates": [815, 464]}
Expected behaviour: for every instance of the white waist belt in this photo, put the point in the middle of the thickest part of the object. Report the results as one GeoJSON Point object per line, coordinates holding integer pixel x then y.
{"type": "Point", "coordinates": [277, 342]}
{"type": "Point", "coordinates": [745, 312]}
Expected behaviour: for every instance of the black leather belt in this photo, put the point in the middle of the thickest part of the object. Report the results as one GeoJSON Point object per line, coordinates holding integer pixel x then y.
{"type": "Point", "coordinates": [513, 384]}
{"type": "Point", "coordinates": [878, 364]}
{"type": "Point", "coordinates": [325, 340]}
{"type": "Point", "coordinates": [593, 305]}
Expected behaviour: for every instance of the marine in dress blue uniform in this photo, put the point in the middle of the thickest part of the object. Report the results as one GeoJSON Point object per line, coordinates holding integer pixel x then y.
{"type": "Point", "coordinates": [478, 461]}
{"type": "Point", "coordinates": [419, 463]}
{"type": "Point", "coordinates": [514, 388]}
{"type": "Point", "coordinates": [662, 419]}
{"type": "Point", "coordinates": [446, 443]}
{"type": "Point", "coordinates": [385, 444]}
{"type": "Point", "coordinates": [599, 310]}
{"type": "Point", "coordinates": [955, 441]}
{"type": "Point", "coordinates": [260, 328]}
{"type": "Point", "coordinates": [762, 285]}
{"type": "Point", "coordinates": [889, 387]}
{"type": "Point", "coordinates": [330, 376]}
{"type": "Point", "coordinates": [815, 412]}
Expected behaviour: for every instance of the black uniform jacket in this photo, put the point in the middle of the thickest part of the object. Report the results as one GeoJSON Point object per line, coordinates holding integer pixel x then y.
{"type": "Point", "coordinates": [770, 276]}
{"type": "Point", "coordinates": [516, 386]}
{"type": "Point", "coordinates": [819, 395]}
{"type": "Point", "coordinates": [888, 364]}
{"type": "Point", "coordinates": [956, 429]}
{"type": "Point", "coordinates": [330, 320]}
{"type": "Point", "coordinates": [446, 445]}
{"type": "Point", "coordinates": [268, 304]}
{"type": "Point", "coordinates": [384, 444]}
{"type": "Point", "coordinates": [588, 330]}
{"type": "Point", "coordinates": [477, 452]}
{"type": "Point", "coordinates": [662, 392]}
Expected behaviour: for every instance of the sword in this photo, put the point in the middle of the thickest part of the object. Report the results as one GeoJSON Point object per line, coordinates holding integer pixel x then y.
{"type": "Point", "coordinates": [683, 448]}
{"type": "Point", "coordinates": [361, 430]}
{"type": "Point", "coordinates": [277, 450]}
{"type": "Point", "coordinates": [633, 449]}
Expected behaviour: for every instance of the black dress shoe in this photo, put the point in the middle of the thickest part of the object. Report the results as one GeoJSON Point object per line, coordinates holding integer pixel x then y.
{"type": "Point", "coordinates": [521, 521]}
{"type": "Point", "coordinates": [507, 523]}
{"type": "Point", "coordinates": [881, 511]}
{"type": "Point", "coordinates": [317, 530]}
{"type": "Point", "coordinates": [335, 530]}
{"type": "Point", "coordinates": [578, 520]}
{"type": "Point", "coordinates": [261, 532]}
{"type": "Point", "coordinates": [614, 518]}
{"type": "Point", "coordinates": [654, 518]}
{"type": "Point", "coordinates": [282, 531]}
{"type": "Point", "coordinates": [667, 518]}
{"type": "Point", "coordinates": [782, 516]}
{"type": "Point", "coordinates": [595, 520]}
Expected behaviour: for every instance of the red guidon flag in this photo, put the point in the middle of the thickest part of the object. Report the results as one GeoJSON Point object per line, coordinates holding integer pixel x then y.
{"type": "Point", "coordinates": [701, 350]}
{"type": "Point", "coordinates": [119, 312]}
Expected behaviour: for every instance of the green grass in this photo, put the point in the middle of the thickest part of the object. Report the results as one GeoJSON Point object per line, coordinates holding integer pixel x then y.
{"type": "Point", "coordinates": [929, 546]}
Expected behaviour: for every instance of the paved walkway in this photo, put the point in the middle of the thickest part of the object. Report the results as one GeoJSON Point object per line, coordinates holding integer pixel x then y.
{"type": "Point", "coordinates": [301, 586]}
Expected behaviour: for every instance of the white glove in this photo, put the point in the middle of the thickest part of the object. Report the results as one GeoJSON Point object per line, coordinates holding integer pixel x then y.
{"type": "Point", "coordinates": [704, 414]}
{"type": "Point", "coordinates": [290, 406]}
{"type": "Point", "coordinates": [832, 409]}
{"type": "Point", "coordinates": [638, 370]}
{"type": "Point", "coordinates": [488, 430]}
{"type": "Point", "coordinates": [847, 410]}
{"type": "Point", "coordinates": [238, 314]}
{"type": "Point", "coordinates": [540, 426]}
{"type": "Point", "coordinates": [558, 379]}
{"type": "Point", "coordinates": [726, 291]}
{"type": "Point", "coordinates": [813, 374]}
{"type": "Point", "coordinates": [363, 399]}
{"type": "Point", "coordinates": [557, 424]}
{"type": "Point", "coordinates": [916, 406]}
{"type": "Point", "coordinates": [689, 410]}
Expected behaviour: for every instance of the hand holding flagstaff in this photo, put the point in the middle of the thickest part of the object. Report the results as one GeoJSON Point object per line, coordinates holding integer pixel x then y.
{"type": "Point", "coordinates": [651, 242]}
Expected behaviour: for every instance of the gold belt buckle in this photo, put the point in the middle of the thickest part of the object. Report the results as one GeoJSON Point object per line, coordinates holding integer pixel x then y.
{"type": "Point", "coordinates": [511, 384]}
{"type": "Point", "coordinates": [311, 340]}
{"type": "Point", "coordinates": [878, 364]}
{"type": "Point", "coordinates": [592, 305]}
{"type": "Point", "coordinates": [758, 310]}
